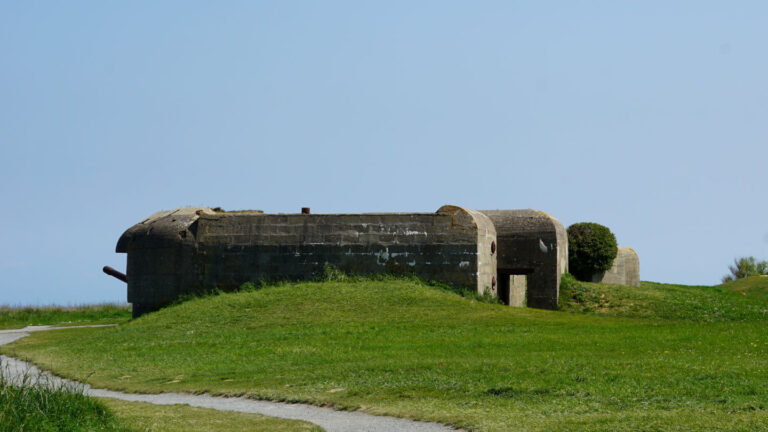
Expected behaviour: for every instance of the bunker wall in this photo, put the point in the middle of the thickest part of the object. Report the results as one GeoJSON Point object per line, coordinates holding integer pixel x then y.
{"type": "Point", "coordinates": [535, 244]}
{"type": "Point", "coordinates": [625, 269]}
{"type": "Point", "coordinates": [173, 255]}
{"type": "Point", "coordinates": [441, 246]}
{"type": "Point", "coordinates": [161, 264]}
{"type": "Point", "coordinates": [487, 254]}
{"type": "Point", "coordinates": [518, 287]}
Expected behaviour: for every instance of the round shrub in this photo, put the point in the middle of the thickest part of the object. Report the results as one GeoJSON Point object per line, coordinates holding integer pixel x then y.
{"type": "Point", "coordinates": [591, 249]}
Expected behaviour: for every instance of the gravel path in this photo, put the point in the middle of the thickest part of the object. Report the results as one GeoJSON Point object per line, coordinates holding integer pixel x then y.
{"type": "Point", "coordinates": [328, 419]}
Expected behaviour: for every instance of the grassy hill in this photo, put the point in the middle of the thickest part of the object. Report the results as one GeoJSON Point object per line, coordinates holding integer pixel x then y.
{"type": "Point", "coordinates": [657, 357]}
{"type": "Point", "coordinates": [671, 302]}
{"type": "Point", "coordinates": [752, 287]}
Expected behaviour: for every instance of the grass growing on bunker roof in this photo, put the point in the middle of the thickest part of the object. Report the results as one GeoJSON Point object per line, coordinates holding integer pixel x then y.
{"type": "Point", "coordinates": [403, 348]}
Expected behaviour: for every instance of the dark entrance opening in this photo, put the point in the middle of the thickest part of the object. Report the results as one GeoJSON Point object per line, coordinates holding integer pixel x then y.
{"type": "Point", "coordinates": [513, 286]}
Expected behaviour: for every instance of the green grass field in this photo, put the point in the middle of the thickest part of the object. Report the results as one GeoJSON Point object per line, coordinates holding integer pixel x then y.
{"type": "Point", "coordinates": [658, 357]}
{"type": "Point", "coordinates": [13, 317]}
{"type": "Point", "coordinates": [669, 302]}
{"type": "Point", "coordinates": [42, 406]}
{"type": "Point", "coordinates": [753, 287]}
{"type": "Point", "coordinates": [145, 417]}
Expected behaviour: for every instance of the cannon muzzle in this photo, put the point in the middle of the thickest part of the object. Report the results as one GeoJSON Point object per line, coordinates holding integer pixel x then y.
{"type": "Point", "coordinates": [116, 274]}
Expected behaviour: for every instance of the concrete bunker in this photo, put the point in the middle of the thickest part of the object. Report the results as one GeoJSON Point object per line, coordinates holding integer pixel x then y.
{"type": "Point", "coordinates": [195, 249]}
{"type": "Point", "coordinates": [625, 269]}
{"type": "Point", "coordinates": [532, 256]}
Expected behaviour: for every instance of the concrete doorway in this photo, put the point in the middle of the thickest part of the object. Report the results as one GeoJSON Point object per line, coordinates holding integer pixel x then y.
{"type": "Point", "coordinates": [513, 287]}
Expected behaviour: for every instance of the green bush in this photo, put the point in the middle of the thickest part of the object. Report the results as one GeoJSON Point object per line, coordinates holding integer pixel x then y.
{"type": "Point", "coordinates": [591, 249]}
{"type": "Point", "coordinates": [744, 267]}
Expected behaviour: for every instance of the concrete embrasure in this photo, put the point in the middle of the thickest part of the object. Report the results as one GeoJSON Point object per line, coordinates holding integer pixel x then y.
{"type": "Point", "coordinates": [328, 419]}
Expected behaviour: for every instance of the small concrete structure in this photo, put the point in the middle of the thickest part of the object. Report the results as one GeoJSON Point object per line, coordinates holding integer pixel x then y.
{"type": "Point", "coordinates": [195, 249]}
{"type": "Point", "coordinates": [533, 254]}
{"type": "Point", "coordinates": [624, 271]}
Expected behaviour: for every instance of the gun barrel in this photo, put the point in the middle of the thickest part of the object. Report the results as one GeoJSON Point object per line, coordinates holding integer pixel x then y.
{"type": "Point", "coordinates": [116, 274]}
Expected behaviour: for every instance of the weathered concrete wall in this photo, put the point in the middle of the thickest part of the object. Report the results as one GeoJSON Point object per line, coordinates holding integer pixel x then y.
{"type": "Point", "coordinates": [486, 245]}
{"type": "Point", "coordinates": [162, 262]}
{"type": "Point", "coordinates": [531, 243]}
{"type": "Point", "coordinates": [194, 249]}
{"type": "Point", "coordinates": [624, 271]}
{"type": "Point", "coordinates": [518, 289]}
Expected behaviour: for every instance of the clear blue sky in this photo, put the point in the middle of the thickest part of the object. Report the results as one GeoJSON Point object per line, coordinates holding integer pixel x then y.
{"type": "Point", "coordinates": [648, 117]}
